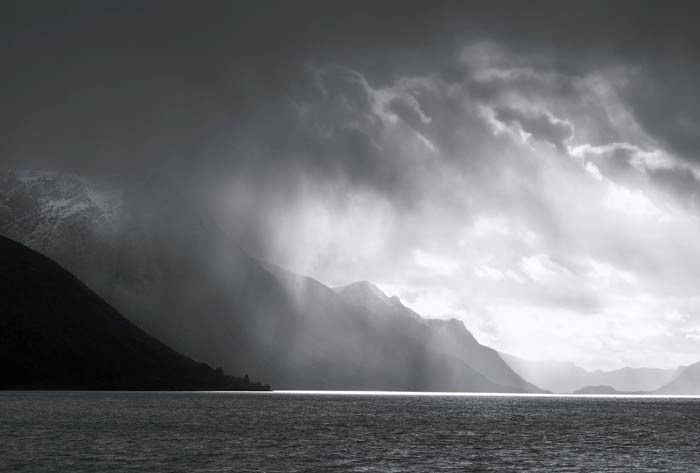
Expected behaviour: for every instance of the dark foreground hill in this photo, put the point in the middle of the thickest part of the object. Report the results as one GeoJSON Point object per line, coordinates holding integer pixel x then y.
{"type": "Point", "coordinates": [175, 274]}
{"type": "Point", "coordinates": [57, 333]}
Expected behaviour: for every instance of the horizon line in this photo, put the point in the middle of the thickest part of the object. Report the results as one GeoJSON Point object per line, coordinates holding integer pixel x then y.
{"type": "Point", "coordinates": [474, 394]}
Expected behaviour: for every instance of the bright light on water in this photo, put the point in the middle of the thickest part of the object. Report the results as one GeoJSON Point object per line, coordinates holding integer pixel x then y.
{"type": "Point", "coordinates": [462, 394]}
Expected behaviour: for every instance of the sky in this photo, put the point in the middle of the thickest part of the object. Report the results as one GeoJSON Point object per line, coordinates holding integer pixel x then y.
{"type": "Point", "coordinates": [531, 168]}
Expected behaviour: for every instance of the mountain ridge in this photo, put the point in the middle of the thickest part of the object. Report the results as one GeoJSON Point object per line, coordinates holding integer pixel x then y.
{"type": "Point", "coordinates": [185, 282]}
{"type": "Point", "coordinates": [686, 381]}
{"type": "Point", "coordinates": [567, 377]}
{"type": "Point", "coordinates": [450, 335]}
{"type": "Point", "coordinates": [57, 333]}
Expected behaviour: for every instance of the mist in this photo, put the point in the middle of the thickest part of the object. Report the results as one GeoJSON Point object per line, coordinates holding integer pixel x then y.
{"type": "Point", "coordinates": [536, 178]}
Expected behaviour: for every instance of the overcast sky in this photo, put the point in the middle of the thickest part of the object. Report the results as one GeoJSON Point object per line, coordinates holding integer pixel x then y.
{"type": "Point", "coordinates": [529, 167]}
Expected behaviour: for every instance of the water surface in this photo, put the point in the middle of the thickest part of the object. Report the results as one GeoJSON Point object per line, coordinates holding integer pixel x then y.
{"type": "Point", "coordinates": [276, 432]}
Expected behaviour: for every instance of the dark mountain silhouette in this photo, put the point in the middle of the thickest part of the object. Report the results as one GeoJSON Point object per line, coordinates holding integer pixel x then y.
{"type": "Point", "coordinates": [180, 278]}
{"type": "Point", "coordinates": [57, 333]}
{"type": "Point", "coordinates": [566, 377]}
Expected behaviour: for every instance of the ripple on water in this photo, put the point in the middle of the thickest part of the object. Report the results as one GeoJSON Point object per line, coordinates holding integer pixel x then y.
{"type": "Point", "coordinates": [240, 432]}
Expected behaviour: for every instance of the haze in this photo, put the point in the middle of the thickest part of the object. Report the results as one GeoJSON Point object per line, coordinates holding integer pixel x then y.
{"type": "Point", "coordinates": [537, 179]}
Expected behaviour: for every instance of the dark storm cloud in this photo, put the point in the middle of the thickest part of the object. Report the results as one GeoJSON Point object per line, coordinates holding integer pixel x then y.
{"type": "Point", "coordinates": [682, 183]}
{"type": "Point", "coordinates": [277, 92]}
{"type": "Point", "coordinates": [376, 138]}
{"type": "Point", "coordinates": [666, 101]}
{"type": "Point", "coordinates": [273, 91]}
{"type": "Point", "coordinates": [101, 87]}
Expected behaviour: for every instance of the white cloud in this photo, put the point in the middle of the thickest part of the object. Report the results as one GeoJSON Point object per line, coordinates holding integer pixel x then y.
{"type": "Point", "coordinates": [540, 268]}
{"type": "Point", "coordinates": [593, 170]}
{"type": "Point", "coordinates": [433, 263]}
{"type": "Point", "coordinates": [570, 253]}
{"type": "Point", "coordinates": [632, 203]}
{"type": "Point", "coordinates": [489, 272]}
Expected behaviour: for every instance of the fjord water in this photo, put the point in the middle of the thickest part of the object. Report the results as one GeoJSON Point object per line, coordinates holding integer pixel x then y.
{"type": "Point", "coordinates": [239, 432]}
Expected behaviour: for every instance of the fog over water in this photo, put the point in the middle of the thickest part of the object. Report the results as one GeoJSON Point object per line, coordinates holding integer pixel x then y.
{"type": "Point", "coordinates": [532, 170]}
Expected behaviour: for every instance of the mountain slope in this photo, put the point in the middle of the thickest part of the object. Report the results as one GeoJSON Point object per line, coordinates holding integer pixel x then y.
{"type": "Point", "coordinates": [686, 382]}
{"type": "Point", "coordinates": [69, 218]}
{"type": "Point", "coordinates": [55, 332]}
{"type": "Point", "coordinates": [365, 348]}
{"type": "Point", "coordinates": [446, 336]}
{"type": "Point", "coordinates": [178, 277]}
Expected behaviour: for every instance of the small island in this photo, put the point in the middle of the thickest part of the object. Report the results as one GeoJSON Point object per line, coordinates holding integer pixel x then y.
{"type": "Point", "coordinates": [598, 390]}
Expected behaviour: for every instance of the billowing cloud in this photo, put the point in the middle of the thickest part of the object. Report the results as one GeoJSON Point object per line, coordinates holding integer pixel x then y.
{"type": "Point", "coordinates": [535, 174]}
{"type": "Point", "coordinates": [540, 126]}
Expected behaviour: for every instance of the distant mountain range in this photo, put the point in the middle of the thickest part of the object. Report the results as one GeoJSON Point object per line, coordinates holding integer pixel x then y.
{"type": "Point", "coordinates": [686, 380]}
{"type": "Point", "coordinates": [178, 277]}
{"type": "Point", "coordinates": [56, 333]}
{"type": "Point", "coordinates": [564, 377]}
